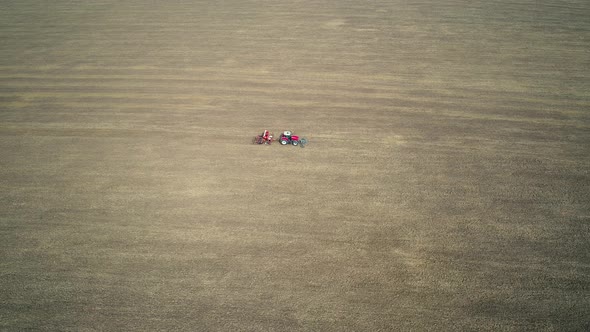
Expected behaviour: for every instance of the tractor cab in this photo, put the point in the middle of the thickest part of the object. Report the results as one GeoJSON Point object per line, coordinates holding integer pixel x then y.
{"type": "Point", "coordinates": [288, 138]}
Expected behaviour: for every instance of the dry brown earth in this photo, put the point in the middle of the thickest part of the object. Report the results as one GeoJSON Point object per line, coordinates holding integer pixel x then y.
{"type": "Point", "coordinates": [445, 185]}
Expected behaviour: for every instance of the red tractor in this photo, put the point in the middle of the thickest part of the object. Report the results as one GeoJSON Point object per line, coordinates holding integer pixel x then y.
{"type": "Point", "coordinates": [288, 138]}
{"type": "Point", "coordinates": [265, 138]}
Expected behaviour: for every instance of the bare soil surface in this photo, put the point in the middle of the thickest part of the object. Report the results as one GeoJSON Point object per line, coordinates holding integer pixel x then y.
{"type": "Point", "coordinates": [445, 185]}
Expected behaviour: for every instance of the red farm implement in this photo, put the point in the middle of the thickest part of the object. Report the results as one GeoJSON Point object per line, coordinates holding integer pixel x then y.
{"type": "Point", "coordinates": [265, 138]}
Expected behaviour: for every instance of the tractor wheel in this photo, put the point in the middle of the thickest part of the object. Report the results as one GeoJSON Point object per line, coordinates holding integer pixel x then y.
{"type": "Point", "coordinates": [283, 142]}
{"type": "Point", "coordinates": [295, 143]}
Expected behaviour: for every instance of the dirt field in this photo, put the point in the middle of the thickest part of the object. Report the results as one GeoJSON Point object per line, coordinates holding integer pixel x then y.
{"type": "Point", "coordinates": [445, 185]}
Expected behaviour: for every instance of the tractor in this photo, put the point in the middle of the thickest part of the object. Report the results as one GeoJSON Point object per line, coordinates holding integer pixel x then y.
{"type": "Point", "coordinates": [265, 138]}
{"type": "Point", "coordinates": [288, 138]}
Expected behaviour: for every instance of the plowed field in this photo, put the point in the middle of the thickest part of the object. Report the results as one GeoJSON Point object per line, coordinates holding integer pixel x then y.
{"type": "Point", "coordinates": [445, 185]}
